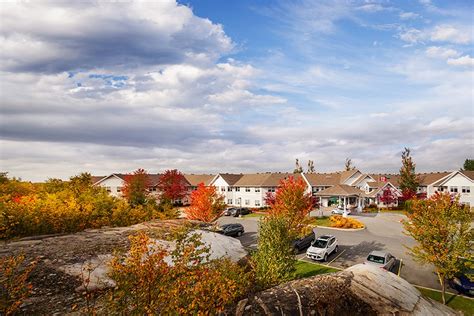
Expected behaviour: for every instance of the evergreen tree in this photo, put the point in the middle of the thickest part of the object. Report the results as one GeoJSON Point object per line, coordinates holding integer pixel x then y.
{"type": "Point", "coordinates": [469, 165]}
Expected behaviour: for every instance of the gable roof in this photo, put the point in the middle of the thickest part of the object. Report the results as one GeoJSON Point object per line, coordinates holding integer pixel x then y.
{"type": "Point", "coordinates": [95, 179]}
{"type": "Point", "coordinates": [323, 179]}
{"type": "Point", "coordinates": [381, 186]}
{"type": "Point", "coordinates": [432, 177]}
{"type": "Point", "coordinates": [392, 178]}
{"type": "Point", "coordinates": [467, 174]}
{"type": "Point", "coordinates": [341, 190]}
{"type": "Point", "coordinates": [230, 178]}
{"type": "Point", "coordinates": [195, 179]}
{"type": "Point", "coordinates": [362, 177]}
{"type": "Point", "coordinates": [346, 174]}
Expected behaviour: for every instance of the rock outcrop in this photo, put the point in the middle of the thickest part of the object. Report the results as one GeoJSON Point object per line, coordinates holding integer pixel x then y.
{"type": "Point", "coordinates": [358, 290]}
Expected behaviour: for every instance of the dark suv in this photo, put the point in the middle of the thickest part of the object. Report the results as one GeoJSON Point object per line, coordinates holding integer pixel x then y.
{"type": "Point", "coordinates": [303, 242]}
{"type": "Point", "coordinates": [239, 211]}
{"type": "Point", "coordinates": [232, 230]}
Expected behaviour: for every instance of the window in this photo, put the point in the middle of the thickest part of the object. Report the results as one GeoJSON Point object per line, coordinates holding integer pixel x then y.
{"type": "Point", "coordinates": [453, 189]}
{"type": "Point", "coordinates": [237, 189]}
{"type": "Point", "coordinates": [223, 189]}
{"type": "Point", "coordinates": [108, 189]}
{"type": "Point", "coordinates": [440, 189]}
{"type": "Point", "coordinates": [257, 189]}
{"type": "Point", "coordinates": [466, 189]}
{"type": "Point", "coordinates": [247, 202]}
{"type": "Point", "coordinates": [153, 189]}
{"type": "Point", "coordinates": [257, 202]}
{"type": "Point", "coordinates": [247, 189]}
{"type": "Point", "coordinates": [229, 189]}
{"type": "Point", "coordinates": [119, 189]}
{"type": "Point", "coordinates": [229, 201]}
{"type": "Point", "coordinates": [272, 189]}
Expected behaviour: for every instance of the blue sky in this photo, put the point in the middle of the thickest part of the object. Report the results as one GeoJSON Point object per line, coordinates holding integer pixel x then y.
{"type": "Point", "coordinates": [234, 86]}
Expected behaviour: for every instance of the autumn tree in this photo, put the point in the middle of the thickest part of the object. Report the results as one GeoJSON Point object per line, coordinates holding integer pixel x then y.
{"type": "Point", "coordinates": [135, 188]}
{"type": "Point", "coordinates": [348, 164]}
{"type": "Point", "coordinates": [293, 203]}
{"type": "Point", "coordinates": [408, 179]}
{"type": "Point", "coordinates": [172, 185]}
{"type": "Point", "coordinates": [442, 228]}
{"type": "Point", "coordinates": [298, 168]}
{"type": "Point", "coordinates": [206, 204]}
{"type": "Point", "coordinates": [269, 198]}
{"type": "Point", "coordinates": [388, 196]}
{"type": "Point", "coordinates": [468, 165]}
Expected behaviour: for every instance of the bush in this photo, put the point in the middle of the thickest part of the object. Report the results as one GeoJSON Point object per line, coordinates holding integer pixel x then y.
{"type": "Point", "coordinates": [339, 221]}
{"type": "Point", "coordinates": [274, 260]}
{"type": "Point", "coordinates": [193, 284]}
{"type": "Point", "coordinates": [14, 288]}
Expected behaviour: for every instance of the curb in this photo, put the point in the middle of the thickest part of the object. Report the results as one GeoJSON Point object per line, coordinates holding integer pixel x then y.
{"type": "Point", "coordinates": [343, 229]}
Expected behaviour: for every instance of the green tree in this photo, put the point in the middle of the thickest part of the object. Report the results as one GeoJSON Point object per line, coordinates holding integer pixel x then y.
{"type": "Point", "coordinates": [442, 228]}
{"type": "Point", "coordinates": [274, 261]}
{"type": "Point", "coordinates": [136, 187]}
{"type": "Point", "coordinates": [298, 168]}
{"type": "Point", "coordinates": [408, 179]}
{"type": "Point", "coordinates": [469, 165]}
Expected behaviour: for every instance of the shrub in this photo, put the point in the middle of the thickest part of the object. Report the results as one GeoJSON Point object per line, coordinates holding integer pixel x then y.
{"type": "Point", "coordinates": [339, 221]}
{"type": "Point", "coordinates": [14, 288]}
{"type": "Point", "coordinates": [193, 284]}
{"type": "Point", "coordinates": [274, 260]}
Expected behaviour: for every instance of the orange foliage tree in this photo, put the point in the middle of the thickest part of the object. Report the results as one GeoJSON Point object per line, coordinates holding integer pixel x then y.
{"type": "Point", "coordinates": [136, 186]}
{"type": "Point", "coordinates": [293, 203]}
{"type": "Point", "coordinates": [206, 204]}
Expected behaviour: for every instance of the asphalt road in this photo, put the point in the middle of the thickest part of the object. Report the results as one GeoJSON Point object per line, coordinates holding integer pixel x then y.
{"type": "Point", "coordinates": [384, 232]}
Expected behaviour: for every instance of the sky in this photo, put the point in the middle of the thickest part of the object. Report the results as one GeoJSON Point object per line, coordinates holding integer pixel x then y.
{"type": "Point", "coordinates": [234, 86]}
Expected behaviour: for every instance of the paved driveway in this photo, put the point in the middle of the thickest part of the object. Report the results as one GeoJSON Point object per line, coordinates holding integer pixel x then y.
{"type": "Point", "coordinates": [384, 232]}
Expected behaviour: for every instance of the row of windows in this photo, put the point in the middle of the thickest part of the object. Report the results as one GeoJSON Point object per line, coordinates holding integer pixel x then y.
{"type": "Point", "coordinates": [246, 202]}
{"type": "Point", "coordinates": [247, 189]}
{"type": "Point", "coordinates": [455, 189]}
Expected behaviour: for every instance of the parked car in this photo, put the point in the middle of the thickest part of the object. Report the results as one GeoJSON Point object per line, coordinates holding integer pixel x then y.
{"type": "Point", "coordinates": [235, 230]}
{"type": "Point", "coordinates": [338, 211]}
{"type": "Point", "coordinates": [463, 283]}
{"type": "Point", "coordinates": [240, 211]}
{"type": "Point", "coordinates": [322, 247]}
{"type": "Point", "coordinates": [303, 242]}
{"type": "Point", "coordinates": [381, 259]}
{"type": "Point", "coordinates": [228, 211]}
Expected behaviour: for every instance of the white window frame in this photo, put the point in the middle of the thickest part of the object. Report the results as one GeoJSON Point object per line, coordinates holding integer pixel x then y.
{"type": "Point", "coordinates": [247, 202]}
{"type": "Point", "coordinates": [453, 189]}
{"type": "Point", "coordinates": [229, 201]}
{"type": "Point", "coordinates": [257, 189]}
{"type": "Point", "coordinates": [466, 189]}
{"type": "Point", "coordinates": [247, 189]}
{"type": "Point", "coordinates": [257, 202]}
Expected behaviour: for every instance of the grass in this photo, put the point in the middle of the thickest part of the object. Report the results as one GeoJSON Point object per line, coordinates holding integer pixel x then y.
{"type": "Point", "coordinates": [306, 269]}
{"type": "Point", "coordinates": [321, 221]}
{"type": "Point", "coordinates": [454, 301]}
{"type": "Point", "coordinates": [253, 215]}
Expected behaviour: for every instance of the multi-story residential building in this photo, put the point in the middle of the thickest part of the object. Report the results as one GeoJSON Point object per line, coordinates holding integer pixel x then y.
{"type": "Point", "coordinates": [115, 182]}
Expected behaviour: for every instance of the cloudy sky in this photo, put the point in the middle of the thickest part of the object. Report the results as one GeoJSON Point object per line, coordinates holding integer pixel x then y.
{"type": "Point", "coordinates": [241, 86]}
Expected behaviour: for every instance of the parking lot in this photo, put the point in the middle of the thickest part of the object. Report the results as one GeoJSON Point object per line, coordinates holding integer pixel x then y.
{"type": "Point", "coordinates": [384, 232]}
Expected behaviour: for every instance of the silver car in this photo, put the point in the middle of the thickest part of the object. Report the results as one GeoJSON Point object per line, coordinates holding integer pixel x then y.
{"type": "Point", "coordinates": [381, 259]}
{"type": "Point", "coordinates": [338, 211]}
{"type": "Point", "coordinates": [322, 247]}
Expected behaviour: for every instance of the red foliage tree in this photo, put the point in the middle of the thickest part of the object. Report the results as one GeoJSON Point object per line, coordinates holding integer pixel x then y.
{"type": "Point", "coordinates": [136, 186]}
{"type": "Point", "coordinates": [172, 185]}
{"type": "Point", "coordinates": [206, 204]}
{"type": "Point", "coordinates": [269, 199]}
{"type": "Point", "coordinates": [388, 196]}
{"type": "Point", "coordinates": [408, 194]}
{"type": "Point", "coordinates": [293, 203]}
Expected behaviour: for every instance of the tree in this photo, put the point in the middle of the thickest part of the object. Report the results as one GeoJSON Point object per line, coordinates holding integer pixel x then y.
{"type": "Point", "coordinates": [348, 165]}
{"type": "Point", "coordinates": [310, 166]}
{"type": "Point", "coordinates": [172, 185]}
{"type": "Point", "coordinates": [135, 189]}
{"type": "Point", "coordinates": [292, 203]}
{"type": "Point", "coordinates": [469, 165]}
{"type": "Point", "coordinates": [441, 227]}
{"type": "Point", "coordinates": [206, 204]}
{"type": "Point", "coordinates": [408, 179]}
{"type": "Point", "coordinates": [388, 196]}
{"type": "Point", "coordinates": [298, 168]}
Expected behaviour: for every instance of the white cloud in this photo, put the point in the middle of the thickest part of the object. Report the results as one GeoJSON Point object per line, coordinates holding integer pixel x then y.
{"type": "Point", "coordinates": [408, 15]}
{"type": "Point", "coordinates": [452, 34]}
{"type": "Point", "coordinates": [441, 52]}
{"type": "Point", "coordinates": [461, 61]}
{"type": "Point", "coordinates": [412, 36]}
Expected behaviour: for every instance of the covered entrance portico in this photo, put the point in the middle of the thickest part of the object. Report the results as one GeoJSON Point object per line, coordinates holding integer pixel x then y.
{"type": "Point", "coordinates": [344, 196]}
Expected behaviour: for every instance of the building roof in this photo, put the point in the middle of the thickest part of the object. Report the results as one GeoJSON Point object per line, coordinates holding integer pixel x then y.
{"type": "Point", "coordinates": [274, 179]}
{"type": "Point", "coordinates": [154, 178]}
{"type": "Point", "coordinates": [264, 179]}
{"type": "Point", "coordinates": [341, 190]}
{"type": "Point", "coordinates": [432, 177]}
{"type": "Point", "coordinates": [195, 179]}
{"type": "Point", "coordinates": [468, 173]}
{"type": "Point", "coordinates": [95, 179]}
{"type": "Point", "coordinates": [346, 174]}
{"type": "Point", "coordinates": [392, 178]}
{"type": "Point", "coordinates": [231, 178]}
{"type": "Point", "coordinates": [323, 179]}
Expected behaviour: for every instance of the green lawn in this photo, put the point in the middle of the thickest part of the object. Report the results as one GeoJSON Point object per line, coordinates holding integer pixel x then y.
{"type": "Point", "coordinates": [456, 302]}
{"type": "Point", "coordinates": [321, 221]}
{"type": "Point", "coordinates": [306, 269]}
{"type": "Point", "coordinates": [253, 215]}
